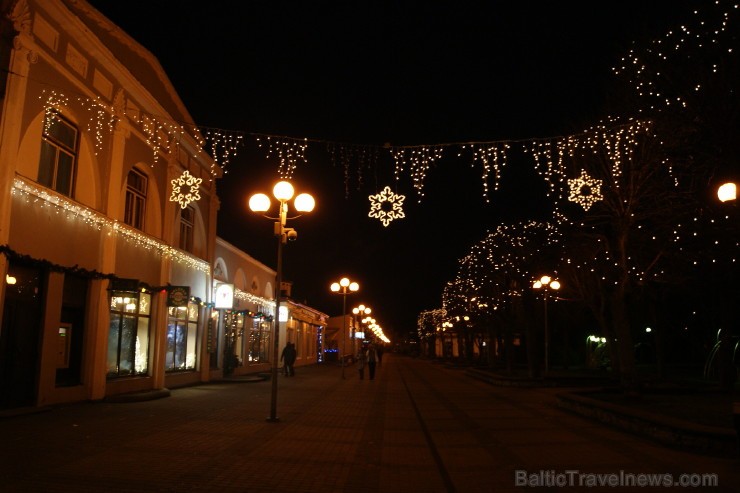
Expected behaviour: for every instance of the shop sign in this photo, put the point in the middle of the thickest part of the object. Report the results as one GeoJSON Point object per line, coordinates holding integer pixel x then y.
{"type": "Point", "coordinates": [178, 295]}
{"type": "Point", "coordinates": [224, 297]}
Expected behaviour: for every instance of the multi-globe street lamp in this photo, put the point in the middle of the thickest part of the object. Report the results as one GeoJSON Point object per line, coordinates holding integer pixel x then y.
{"type": "Point", "coordinates": [361, 310]}
{"type": "Point", "coordinates": [546, 283]}
{"type": "Point", "coordinates": [283, 191]}
{"type": "Point", "coordinates": [344, 287]}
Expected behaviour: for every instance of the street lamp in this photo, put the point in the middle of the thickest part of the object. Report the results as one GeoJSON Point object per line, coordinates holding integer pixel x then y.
{"type": "Point", "coordinates": [283, 191]}
{"type": "Point", "coordinates": [546, 283]}
{"type": "Point", "coordinates": [359, 310]}
{"type": "Point", "coordinates": [727, 192]}
{"type": "Point", "coordinates": [344, 287]}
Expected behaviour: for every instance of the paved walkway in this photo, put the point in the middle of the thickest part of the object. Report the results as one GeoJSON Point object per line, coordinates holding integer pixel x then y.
{"type": "Point", "coordinates": [418, 427]}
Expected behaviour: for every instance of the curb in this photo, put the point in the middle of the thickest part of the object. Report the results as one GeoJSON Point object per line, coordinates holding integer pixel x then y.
{"type": "Point", "coordinates": [148, 395]}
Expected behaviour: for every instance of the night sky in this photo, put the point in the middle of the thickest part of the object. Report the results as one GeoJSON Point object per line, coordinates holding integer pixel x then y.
{"type": "Point", "coordinates": [403, 73]}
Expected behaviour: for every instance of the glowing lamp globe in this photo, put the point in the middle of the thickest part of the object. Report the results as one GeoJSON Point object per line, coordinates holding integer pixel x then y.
{"type": "Point", "coordinates": [334, 287]}
{"type": "Point", "coordinates": [259, 202]}
{"type": "Point", "coordinates": [304, 203]}
{"type": "Point", "coordinates": [555, 284]}
{"type": "Point", "coordinates": [727, 192]}
{"type": "Point", "coordinates": [283, 191]}
{"type": "Point", "coordinates": [354, 286]}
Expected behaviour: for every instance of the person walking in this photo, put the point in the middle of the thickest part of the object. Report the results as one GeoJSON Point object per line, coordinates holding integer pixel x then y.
{"type": "Point", "coordinates": [288, 358]}
{"type": "Point", "coordinates": [361, 362]}
{"type": "Point", "coordinates": [372, 360]}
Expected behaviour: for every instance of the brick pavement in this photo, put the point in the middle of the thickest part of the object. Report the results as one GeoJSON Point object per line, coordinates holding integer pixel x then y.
{"type": "Point", "coordinates": [417, 427]}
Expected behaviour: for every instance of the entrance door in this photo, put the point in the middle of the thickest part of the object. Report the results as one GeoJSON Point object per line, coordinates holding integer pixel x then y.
{"type": "Point", "coordinates": [19, 337]}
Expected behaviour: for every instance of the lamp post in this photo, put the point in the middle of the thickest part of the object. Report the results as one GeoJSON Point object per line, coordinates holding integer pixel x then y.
{"type": "Point", "coordinates": [282, 191]}
{"type": "Point", "coordinates": [359, 310]}
{"type": "Point", "coordinates": [546, 283]}
{"type": "Point", "coordinates": [344, 287]}
{"type": "Point", "coordinates": [727, 193]}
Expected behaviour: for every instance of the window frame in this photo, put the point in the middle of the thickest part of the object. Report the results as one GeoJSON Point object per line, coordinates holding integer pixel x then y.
{"type": "Point", "coordinates": [187, 229]}
{"type": "Point", "coordinates": [55, 143]}
{"type": "Point", "coordinates": [140, 314]}
{"type": "Point", "coordinates": [134, 213]}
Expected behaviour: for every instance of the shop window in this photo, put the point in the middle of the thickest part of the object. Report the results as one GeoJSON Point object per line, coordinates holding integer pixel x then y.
{"type": "Point", "coordinates": [128, 334]}
{"type": "Point", "coordinates": [58, 155]}
{"type": "Point", "coordinates": [136, 187]}
{"type": "Point", "coordinates": [182, 332]}
{"type": "Point", "coordinates": [259, 341]}
{"type": "Point", "coordinates": [234, 340]}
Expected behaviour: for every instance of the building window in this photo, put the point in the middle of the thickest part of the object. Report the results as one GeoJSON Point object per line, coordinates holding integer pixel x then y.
{"type": "Point", "coordinates": [234, 340]}
{"type": "Point", "coordinates": [135, 199]}
{"type": "Point", "coordinates": [182, 331]}
{"type": "Point", "coordinates": [187, 221]}
{"type": "Point", "coordinates": [58, 155]}
{"type": "Point", "coordinates": [128, 334]}
{"type": "Point", "coordinates": [259, 341]}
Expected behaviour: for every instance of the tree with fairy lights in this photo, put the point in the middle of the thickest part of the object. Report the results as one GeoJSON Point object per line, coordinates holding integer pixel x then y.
{"type": "Point", "coordinates": [491, 288]}
{"type": "Point", "coordinates": [429, 324]}
{"type": "Point", "coordinates": [635, 246]}
{"type": "Point", "coordinates": [686, 83]}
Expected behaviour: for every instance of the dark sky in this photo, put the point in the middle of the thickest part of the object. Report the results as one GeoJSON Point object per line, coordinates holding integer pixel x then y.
{"type": "Point", "coordinates": [405, 73]}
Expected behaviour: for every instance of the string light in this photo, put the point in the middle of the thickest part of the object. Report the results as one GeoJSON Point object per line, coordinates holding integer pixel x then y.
{"type": "Point", "coordinates": [288, 151]}
{"type": "Point", "coordinates": [223, 145]}
{"type": "Point", "coordinates": [492, 158]}
{"type": "Point", "coordinates": [417, 160]}
{"type": "Point", "coordinates": [72, 210]}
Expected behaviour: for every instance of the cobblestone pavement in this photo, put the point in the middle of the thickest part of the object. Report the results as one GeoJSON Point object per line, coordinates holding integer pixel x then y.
{"type": "Point", "coordinates": [418, 427]}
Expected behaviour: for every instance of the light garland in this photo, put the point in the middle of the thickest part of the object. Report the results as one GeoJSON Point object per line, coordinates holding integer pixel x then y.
{"type": "Point", "coordinates": [250, 298]}
{"type": "Point", "coordinates": [99, 221]}
{"type": "Point", "coordinates": [492, 158]}
{"type": "Point", "coordinates": [288, 151]}
{"type": "Point", "coordinates": [386, 206]}
{"type": "Point", "coordinates": [191, 195]}
{"type": "Point", "coordinates": [417, 160]}
{"type": "Point", "coordinates": [223, 145]}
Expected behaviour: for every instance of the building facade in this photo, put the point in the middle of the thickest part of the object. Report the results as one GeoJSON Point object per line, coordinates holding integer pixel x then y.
{"type": "Point", "coordinates": [244, 312]}
{"type": "Point", "coordinates": [114, 279]}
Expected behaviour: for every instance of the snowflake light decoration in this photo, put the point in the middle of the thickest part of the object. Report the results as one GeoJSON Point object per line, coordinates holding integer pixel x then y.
{"type": "Point", "coordinates": [191, 194]}
{"type": "Point", "coordinates": [386, 206]}
{"type": "Point", "coordinates": [584, 190]}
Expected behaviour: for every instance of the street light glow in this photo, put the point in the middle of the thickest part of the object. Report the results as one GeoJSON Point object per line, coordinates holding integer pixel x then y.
{"type": "Point", "coordinates": [283, 191]}
{"type": "Point", "coordinates": [259, 202]}
{"type": "Point", "coordinates": [304, 203]}
{"type": "Point", "coordinates": [727, 192]}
